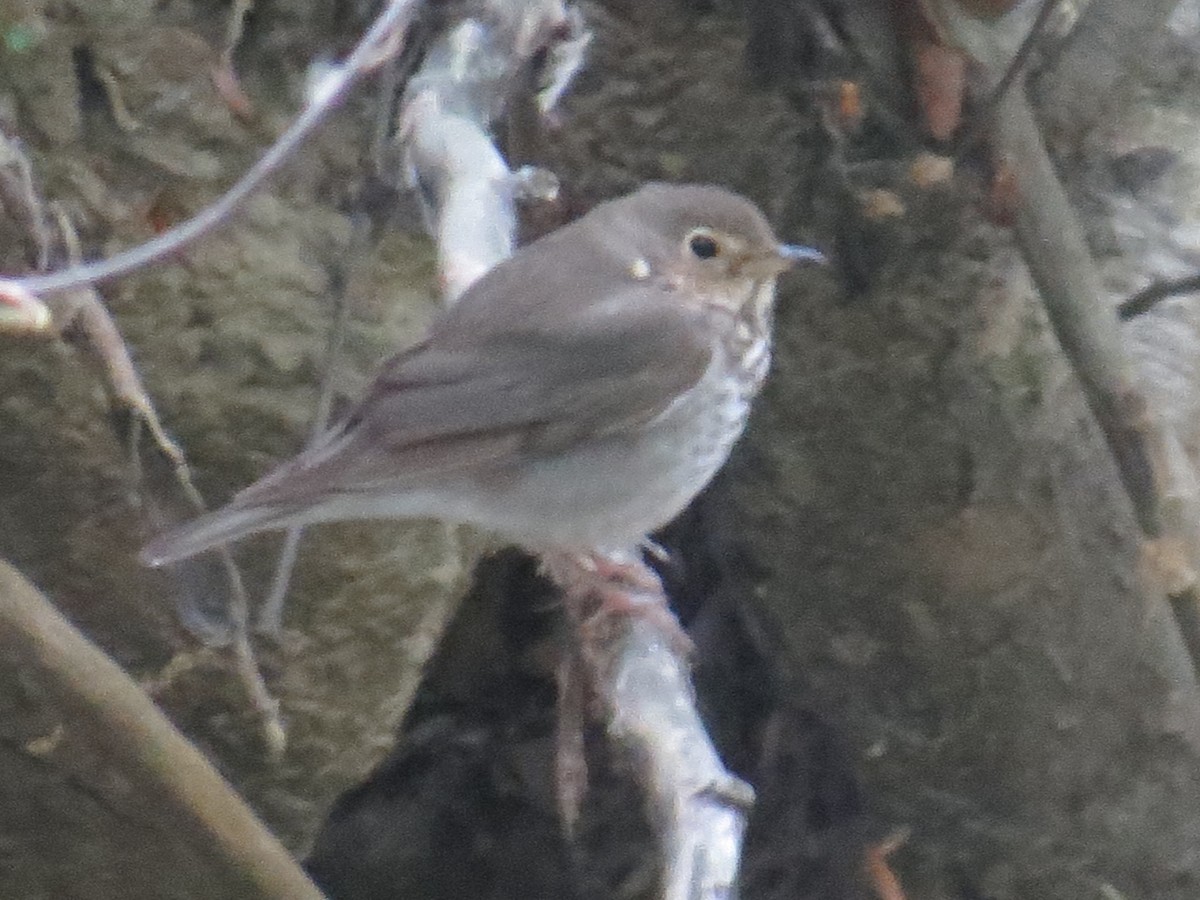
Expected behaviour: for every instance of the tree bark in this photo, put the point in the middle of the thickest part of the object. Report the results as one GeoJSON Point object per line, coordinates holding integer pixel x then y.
{"type": "Point", "coordinates": [102, 783]}
{"type": "Point", "coordinates": [125, 127]}
{"type": "Point", "coordinates": [922, 534]}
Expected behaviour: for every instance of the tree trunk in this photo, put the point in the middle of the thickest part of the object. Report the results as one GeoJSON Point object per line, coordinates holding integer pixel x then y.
{"type": "Point", "coordinates": [921, 546]}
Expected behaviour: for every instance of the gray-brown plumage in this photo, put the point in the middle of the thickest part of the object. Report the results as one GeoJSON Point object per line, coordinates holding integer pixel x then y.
{"type": "Point", "coordinates": [575, 398]}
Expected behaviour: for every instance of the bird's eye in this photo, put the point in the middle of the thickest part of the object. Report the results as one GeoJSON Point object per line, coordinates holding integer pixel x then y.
{"type": "Point", "coordinates": [703, 245]}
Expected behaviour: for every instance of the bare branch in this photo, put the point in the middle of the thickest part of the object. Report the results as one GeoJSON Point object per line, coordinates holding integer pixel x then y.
{"type": "Point", "coordinates": [1053, 245]}
{"type": "Point", "coordinates": [632, 663]}
{"type": "Point", "coordinates": [981, 118]}
{"type": "Point", "coordinates": [637, 667]}
{"type": "Point", "coordinates": [154, 762]}
{"type": "Point", "coordinates": [83, 309]}
{"type": "Point", "coordinates": [21, 200]}
{"type": "Point", "coordinates": [1148, 297]}
{"type": "Point", "coordinates": [381, 41]}
{"type": "Point", "coordinates": [1143, 444]}
{"type": "Point", "coordinates": [464, 85]}
{"type": "Point", "coordinates": [270, 614]}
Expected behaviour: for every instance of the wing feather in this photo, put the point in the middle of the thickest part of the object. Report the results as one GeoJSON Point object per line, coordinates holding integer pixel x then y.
{"type": "Point", "coordinates": [446, 406]}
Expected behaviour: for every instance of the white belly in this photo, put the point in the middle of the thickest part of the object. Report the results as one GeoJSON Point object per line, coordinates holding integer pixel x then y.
{"type": "Point", "coordinates": [607, 496]}
{"type": "Point", "coordinates": [611, 493]}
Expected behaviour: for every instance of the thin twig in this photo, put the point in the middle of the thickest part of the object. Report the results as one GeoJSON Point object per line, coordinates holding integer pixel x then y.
{"type": "Point", "coordinates": [270, 615]}
{"type": "Point", "coordinates": [1148, 297]}
{"type": "Point", "coordinates": [1143, 444]}
{"type": "Point", "coordinates": [1058, 258]}
{"type": "Point", "coordinates": [234, 29]}
{"type": "Point", "coordinates": [84, 308]}
{"type": "Point", "coordinates": [380, 42]}
{"type": "Point", "coordinates": [982, 117]}
{"type": "Point", "coordinates": [19, 194]}
{"type": "Point", "coordinates": [20, 311]}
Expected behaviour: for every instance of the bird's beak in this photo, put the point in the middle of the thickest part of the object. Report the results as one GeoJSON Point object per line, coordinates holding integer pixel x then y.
{"type": "Point", "coordinates": [794, 254]}
{"type": "Point", "coordinates": [784, 257]}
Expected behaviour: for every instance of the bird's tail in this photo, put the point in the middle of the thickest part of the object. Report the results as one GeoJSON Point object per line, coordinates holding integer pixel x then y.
{"type": "Point", "coordinates": [297, 492]}
{"type": "Point", "coordinates": [213, 529]}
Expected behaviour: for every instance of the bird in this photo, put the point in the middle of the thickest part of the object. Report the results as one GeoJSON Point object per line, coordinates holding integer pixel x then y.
{"type": "Point", "coordinates": [574, 399]}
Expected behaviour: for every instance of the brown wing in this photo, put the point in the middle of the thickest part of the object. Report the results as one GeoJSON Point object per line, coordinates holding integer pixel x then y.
{"type": "Point", "coordinates": [449, 405]}
{"type": "Point", "coordinates": [554, 345]}
{"type": "Point", "coordinates": [540, 389]}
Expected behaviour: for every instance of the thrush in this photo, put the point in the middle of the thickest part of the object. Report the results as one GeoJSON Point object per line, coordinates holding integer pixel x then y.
{"type": "Point", "coordinates": [574, 399]}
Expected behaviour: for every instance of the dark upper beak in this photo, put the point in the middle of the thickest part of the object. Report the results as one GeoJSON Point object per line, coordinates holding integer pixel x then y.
{"type": "Point", "coordinates": [793, 254]}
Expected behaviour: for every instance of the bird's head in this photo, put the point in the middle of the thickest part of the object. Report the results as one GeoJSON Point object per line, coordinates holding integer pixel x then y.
{"type": "Point", "coordinates": [709, 240]}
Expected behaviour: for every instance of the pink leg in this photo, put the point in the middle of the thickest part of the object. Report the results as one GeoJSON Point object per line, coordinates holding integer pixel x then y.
{"type": "Point", "coordinates": [597, 587]}
{"type": "Point", "coordinates": [635, 574]}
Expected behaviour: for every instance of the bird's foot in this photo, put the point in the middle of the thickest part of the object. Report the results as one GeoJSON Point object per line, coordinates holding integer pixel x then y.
{"type": "Point", "coordinates": [598, 588]}
{"type": "Point", "coordinates": [616, 601]}
{"type": "Point", "coordinates": [630, 573]}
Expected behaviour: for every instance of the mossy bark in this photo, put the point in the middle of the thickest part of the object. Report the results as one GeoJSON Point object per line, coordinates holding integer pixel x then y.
{"type": "Point", "coordinates": [922, 533]}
